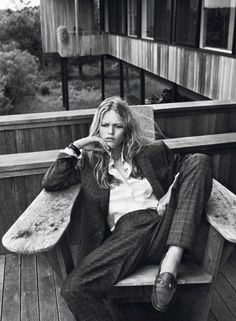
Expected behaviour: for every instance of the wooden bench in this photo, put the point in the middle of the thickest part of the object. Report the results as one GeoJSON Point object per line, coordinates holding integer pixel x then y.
{"type": "Point", "coordinates": [41, 228]}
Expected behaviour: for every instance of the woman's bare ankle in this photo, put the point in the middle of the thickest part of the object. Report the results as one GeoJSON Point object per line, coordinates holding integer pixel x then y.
{"type": "Point", "coordinates": [172, 260]}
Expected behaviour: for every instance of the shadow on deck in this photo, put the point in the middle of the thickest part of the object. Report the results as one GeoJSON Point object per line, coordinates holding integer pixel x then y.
{"type": "Point", "coordinates": [30, 291]}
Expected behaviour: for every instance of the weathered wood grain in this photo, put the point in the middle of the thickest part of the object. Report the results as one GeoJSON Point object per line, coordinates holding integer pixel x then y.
{"type": "Point", "coordinates": [11, 298]}
{"type": "Point", "coordinates": [29, 289]}
{"type": "Point", "coordinates": [48, 131]}
{"type": "Point", "coordinates": [63, 311]}
{"type": "Point", "coordinates": [43, 223]}
{"type": "Point", "coordinates": [221, 211]}
{"type": "Point", "coordinates": [46, 290]}
{"type": "Point", "coordinates": [2, 272]}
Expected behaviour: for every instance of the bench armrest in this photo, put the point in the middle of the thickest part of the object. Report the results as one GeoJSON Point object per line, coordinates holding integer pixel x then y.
{"type": "Point", "coordinates": [43, 223]}
{"type": "Point", "coordinates": [221, 211]}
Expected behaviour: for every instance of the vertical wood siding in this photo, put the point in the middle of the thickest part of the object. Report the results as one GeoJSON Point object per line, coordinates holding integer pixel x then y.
{"type": "Point", "coordinates": [208, 74]}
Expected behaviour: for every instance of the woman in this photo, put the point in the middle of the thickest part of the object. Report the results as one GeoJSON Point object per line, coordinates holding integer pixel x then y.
{"type": "Point", "coordinates": [138, 205]}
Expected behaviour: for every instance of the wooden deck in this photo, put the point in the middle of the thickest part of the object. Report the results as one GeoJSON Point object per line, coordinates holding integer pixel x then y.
{"type": "Point", "coordinates": [29, 291]}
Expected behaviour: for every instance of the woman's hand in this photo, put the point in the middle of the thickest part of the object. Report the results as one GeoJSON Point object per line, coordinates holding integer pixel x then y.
{"type": "Point", "coordinates": [92, 143]}
{"type": "Point", "coordinates": [163, 202]}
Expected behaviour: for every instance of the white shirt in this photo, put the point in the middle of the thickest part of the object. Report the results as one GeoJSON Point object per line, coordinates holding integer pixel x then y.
{"type": "Point", "coordinates": [129, 195]}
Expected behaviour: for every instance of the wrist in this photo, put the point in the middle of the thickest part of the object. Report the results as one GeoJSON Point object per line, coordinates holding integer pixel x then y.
{"type": "Point", "coordinates": [74, 148]}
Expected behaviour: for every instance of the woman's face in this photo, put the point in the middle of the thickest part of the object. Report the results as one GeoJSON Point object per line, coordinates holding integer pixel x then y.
{"type": "Point", "coordinates": [112, 129]}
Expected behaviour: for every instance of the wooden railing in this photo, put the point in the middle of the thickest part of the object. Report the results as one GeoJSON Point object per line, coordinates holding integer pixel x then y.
{"type": "Point", "coordinates": [54, 130]}
{"type": "Point", "coordinates": [21, 174]}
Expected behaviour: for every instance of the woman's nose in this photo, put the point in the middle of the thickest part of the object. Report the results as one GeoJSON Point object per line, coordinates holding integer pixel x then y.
{"type": "Point", "coordinates": [111, 130]}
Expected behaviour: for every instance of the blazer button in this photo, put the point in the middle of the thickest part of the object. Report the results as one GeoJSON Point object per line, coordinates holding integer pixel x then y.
{"type": "Point", "coordinates": [99, 234]}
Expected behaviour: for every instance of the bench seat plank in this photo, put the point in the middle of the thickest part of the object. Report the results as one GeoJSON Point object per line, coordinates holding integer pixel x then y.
{"type": "Point", "coordinates": [43, 223]}
{"type": "Point", "coordinates": [145, 276]}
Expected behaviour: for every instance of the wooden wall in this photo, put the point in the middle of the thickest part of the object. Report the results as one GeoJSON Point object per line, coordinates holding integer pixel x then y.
{"type": "Point", "coordinates": [53, 130]}
{"type": "Point", "coordinates": [205, 73]}
{"type": "Point", "coordinates": [55, 13]}
{"type": "Point", "coordinates": [208, 74]}
{"type": "Point", "coordinates": [196, 118]}
{"type": "Point", "coordinates": [21, 174]}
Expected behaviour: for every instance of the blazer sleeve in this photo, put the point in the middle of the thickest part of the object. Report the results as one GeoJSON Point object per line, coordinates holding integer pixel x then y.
{"type": "Point", "coordinates": [65, 171]}
{"type": "Point", "coordinates": [172, 161]}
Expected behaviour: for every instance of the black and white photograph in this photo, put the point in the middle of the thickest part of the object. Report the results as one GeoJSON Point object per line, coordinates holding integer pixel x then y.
{"type": "Point", "coordinates": [117, 160]}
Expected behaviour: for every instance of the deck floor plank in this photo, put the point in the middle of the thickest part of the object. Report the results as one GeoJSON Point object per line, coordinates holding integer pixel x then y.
{"type": "Point", "coordinates": [2, 270]}
{"type": "Point", "coordinates": [47, 292]}
{"type": "Point", "coordinates": [29, 289]}
{"type": "Point", "coordinates": [63, 311]}
{"type": "Point", "coordinates": [227, 293]}
{"type": "Point", "coordinates": [11, 298]}
{"type": "Point", "coordinates": [220, 309]}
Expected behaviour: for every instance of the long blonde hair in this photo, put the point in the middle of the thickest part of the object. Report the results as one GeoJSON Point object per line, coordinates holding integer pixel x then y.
{"type": "Point", "coordinates": [133, 141]}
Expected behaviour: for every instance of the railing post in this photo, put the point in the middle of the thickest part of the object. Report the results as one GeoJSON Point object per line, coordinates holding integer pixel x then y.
{"type": "Point", "coordinates": [142, 87]}
{"type": "Point", "coordinates": [64, 79]}
{"type": "Point", "coordinates": [102, 77]}
{"type": "Point", "coordinates": [121, 78]}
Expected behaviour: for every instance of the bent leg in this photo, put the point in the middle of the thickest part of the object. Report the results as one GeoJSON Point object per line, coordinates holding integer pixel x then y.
{"type": "Point", "coordinates": [184, 212]}
{"type": "Point", "coordinates": [85, 288]}
{"type": "Point", "coordinates": [193, 189]}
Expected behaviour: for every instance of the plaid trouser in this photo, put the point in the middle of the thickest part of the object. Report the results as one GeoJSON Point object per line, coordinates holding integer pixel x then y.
{"type": "Point", "coordinates": [140, 236]}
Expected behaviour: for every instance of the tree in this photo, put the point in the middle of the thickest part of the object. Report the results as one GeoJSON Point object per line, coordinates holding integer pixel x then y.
{"type": "Point", "coordinates": [19, 4]}
{"type": "Point", "coordinates": [18, 77]}
{"type": "Point", "coordinates": [23, 27]}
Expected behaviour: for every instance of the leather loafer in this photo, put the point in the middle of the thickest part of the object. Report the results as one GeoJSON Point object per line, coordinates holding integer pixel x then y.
{"type": "Point", "coordinates": [163, 291]}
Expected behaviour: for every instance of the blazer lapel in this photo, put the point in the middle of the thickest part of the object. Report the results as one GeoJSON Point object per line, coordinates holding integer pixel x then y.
{"type": "Point", "coordinates": [148, 171]}
{"type": "Point", "coordinates": [104, 195]}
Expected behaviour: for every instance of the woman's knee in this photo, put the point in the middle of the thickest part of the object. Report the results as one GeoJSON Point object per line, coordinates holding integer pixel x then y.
{"type": "Point", "coordinates": [72, 288]}
{"type": "Point", "coordinates": [199, 161]}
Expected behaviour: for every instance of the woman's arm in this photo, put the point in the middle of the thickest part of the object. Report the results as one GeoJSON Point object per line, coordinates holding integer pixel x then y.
{"type": "Point", "coordinates": [65, 171]}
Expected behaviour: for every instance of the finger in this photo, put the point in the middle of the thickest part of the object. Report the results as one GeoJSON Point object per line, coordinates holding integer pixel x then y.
{"type": "Point", "coordinates": [104, 145]}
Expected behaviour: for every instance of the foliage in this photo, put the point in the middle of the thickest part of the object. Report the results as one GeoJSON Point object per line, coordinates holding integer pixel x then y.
{"type": "Point", "coordinates": [23, 27]}
{"type": "Point", "coordinates": [44, 89]}
{"type": "Point", "coordinates": [18, 4]}
{"type": "Point", "coordinates": [18, 77]}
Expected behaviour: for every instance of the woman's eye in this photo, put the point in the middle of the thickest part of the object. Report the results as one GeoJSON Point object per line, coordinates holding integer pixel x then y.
{"type": "Point", "coordinates": [104, 125]}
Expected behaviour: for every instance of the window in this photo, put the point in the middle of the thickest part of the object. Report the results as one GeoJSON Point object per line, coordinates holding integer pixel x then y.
{"type": "Point", "coordinates": [106, 16]}
{"type": "Point", "coordinates": [122, 16]}
{"type": "Point", "coordinates": [186, 27]}
{"type": "Point", "coordinates": [148, 18]}
{"type": "Point", "coordinates": [113, 16]}
{"type": "Point", "coordinates": [132, 17]}
{"type": "Point", "coordinates": [217, 25]}
{"type": "Point", "coordinates": [163, 20]}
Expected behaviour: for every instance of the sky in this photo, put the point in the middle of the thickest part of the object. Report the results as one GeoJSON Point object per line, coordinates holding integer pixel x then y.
{"type": "Point", "coordinates": [7, 4]}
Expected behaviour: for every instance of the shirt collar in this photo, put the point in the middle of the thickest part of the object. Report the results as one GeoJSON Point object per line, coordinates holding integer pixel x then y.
{"type": "Point", "coordinates": [126, 165]}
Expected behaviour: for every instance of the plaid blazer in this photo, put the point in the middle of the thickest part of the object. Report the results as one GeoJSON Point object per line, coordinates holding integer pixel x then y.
{"type": "Point", "coordinates": [157, 164]}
